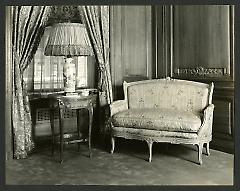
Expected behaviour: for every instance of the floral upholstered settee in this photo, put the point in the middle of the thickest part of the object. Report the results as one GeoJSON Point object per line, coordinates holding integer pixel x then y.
{"type": "Point", "coordinates": [164, 110]}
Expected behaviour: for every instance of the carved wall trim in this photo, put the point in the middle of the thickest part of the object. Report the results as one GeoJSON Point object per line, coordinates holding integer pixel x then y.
{"type": "Point", "coordinates": [64, 13]}
{"type": "Point", "coordinates": [201, 71]}
{"type": "Point", "coordinates": [180, 69]}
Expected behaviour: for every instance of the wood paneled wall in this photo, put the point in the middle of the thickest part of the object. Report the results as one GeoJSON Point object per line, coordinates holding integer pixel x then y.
{"type": "Point", "coordinates": [201, 38]}
{"type": "Point", "coordinates": [188, 42]}
{"type": "Point", "coordinates": [201, 48]}
{"type": "Point", "coordinates": [8, 83]}
{"type": "Point", "coordinates": [131, 45]}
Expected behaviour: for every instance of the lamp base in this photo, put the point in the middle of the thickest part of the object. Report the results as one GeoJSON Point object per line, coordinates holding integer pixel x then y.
{"type": "Point", "coordinates": [69, 75]}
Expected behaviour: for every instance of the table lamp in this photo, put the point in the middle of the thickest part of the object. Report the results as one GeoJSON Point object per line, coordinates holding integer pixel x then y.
{"type": "Point", "coordinates": [68, 40]}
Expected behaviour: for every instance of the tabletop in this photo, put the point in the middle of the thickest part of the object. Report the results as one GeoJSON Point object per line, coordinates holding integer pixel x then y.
{"type": "Point", "coordinates": [72, 101]}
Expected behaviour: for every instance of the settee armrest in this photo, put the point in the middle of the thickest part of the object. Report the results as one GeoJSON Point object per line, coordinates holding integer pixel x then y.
{"type": "Point", "coordinates": [206, 127]}
{"type": "Point", "coordinates": [118, 106]}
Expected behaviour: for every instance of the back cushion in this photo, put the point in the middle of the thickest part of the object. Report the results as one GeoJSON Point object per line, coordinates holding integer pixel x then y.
{"type": "Point", "coordinates": [175, 94]}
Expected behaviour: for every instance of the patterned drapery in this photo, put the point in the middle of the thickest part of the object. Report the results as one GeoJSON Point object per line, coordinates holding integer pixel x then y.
{"type": "Point", "coordinates": [27, 30]}
{"type": "Point", "coordinates": [96, 19]}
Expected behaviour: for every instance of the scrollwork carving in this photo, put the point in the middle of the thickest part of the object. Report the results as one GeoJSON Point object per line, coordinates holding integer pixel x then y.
{"type": "Point", "coordinates": [64, 13]}
{"type": "Point", "coordinates": [201, 71]}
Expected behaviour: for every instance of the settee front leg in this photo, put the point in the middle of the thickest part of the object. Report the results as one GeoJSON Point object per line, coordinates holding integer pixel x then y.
{"type": "Point", "coordinates": [113, 144]}
{"type": "Point", "coordinates": [150, 142]}
{"type": "Point", "coordinates": [200, 148]}
{"type": "Point", "coordinates": [207, 149]}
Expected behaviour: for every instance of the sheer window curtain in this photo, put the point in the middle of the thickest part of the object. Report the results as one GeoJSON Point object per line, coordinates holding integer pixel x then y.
{"type": "Point", "coordinates": [43, 74]}
{"type": "Point", "coordinates": [96, 19]}
{"type": "Point", "coordinates": [28, 22]}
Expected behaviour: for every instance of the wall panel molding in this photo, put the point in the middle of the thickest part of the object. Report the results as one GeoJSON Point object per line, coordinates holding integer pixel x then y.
{"type": "Point", "coordinates": [202, 49]}
{"type": "Point", "coordinates": [196, 34]}
{"type": "Point", "coordinates": [8, 83]}
{"type": "Point", "coordinates": [131, 45]}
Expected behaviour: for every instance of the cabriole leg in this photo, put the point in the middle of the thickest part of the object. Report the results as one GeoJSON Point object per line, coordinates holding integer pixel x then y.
{"type": "Point", "coordinates": [207, 149]}
{"type": "Point", "coordinates": [113, 144]}
{"type": "Point", "coordinates": [150, 150]}
{"type": "Point", "coordinates": [90, 111]}
{"type": "Point", "coordinates": [78, 128]}
{"type": "Point", "coordinates": [61, 133]}
{"type": "Point", "coordinates": [200, 148]}
{"type": "Point", "coordinates": [52, 129]}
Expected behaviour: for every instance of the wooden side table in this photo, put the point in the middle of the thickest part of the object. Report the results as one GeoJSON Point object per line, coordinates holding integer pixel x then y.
{"type": "Point", "coordinates": [75, 102]}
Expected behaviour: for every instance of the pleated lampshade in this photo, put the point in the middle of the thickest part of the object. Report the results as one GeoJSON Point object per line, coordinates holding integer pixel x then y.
{"type": "Point", "coordinates": [68, 39]}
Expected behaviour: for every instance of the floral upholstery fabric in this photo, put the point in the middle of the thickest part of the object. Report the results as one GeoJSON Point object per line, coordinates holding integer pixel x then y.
{"type": "Point", "coordinates": [158, 119]}
{"type": "Point", "coordinates": [170, 94]}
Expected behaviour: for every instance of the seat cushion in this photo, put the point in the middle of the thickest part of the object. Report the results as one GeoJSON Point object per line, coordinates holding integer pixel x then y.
{"type": "Point", "coordinates": [158, 119]}
{"type": "Point", "coordinates": [141, 133]}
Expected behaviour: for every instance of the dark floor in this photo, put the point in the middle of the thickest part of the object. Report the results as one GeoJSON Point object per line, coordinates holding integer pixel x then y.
{"type": "Point", "coordinates": [175, 165]}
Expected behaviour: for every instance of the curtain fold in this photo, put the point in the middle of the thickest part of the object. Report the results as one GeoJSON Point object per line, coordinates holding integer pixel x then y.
{"type": "Point", "coordinates": [96, 19]}
{"type": "Point", "coordinates": [28, 22]}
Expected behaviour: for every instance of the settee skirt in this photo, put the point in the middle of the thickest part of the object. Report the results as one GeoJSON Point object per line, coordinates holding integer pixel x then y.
{"type": "Point", "coordinates": [151, 136]}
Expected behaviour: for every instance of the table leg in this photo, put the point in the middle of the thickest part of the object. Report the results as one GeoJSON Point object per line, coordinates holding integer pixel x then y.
{"type": "Point", "coordinates": [51, 112]}
{"type": "Point", "coordinates": [34, 119]}
{"type": "Point", "coordinates": [90, 112]}
{"type": "Point", "coordinates": [78, 128]}
{"type": "Point", "coordinates": [61, 133]}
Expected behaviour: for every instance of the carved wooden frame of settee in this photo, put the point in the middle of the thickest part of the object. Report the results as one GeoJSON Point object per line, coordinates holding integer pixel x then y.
{"type": "Point", "coordinates": [204, 134]}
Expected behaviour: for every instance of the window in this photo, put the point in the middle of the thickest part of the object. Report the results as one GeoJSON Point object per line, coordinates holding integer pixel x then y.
{"type": "Point", "coordinates": [45, 73]}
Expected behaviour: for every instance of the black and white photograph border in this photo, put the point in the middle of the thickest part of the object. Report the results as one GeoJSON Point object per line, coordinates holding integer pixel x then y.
{"type": "Point", "coordinates": [112, 95]}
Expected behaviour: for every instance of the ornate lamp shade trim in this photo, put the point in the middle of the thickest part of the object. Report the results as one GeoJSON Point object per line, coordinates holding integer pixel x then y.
{"type": "Point", "coordinates": [68, 39]}
{"type": "Point", "coordinates": [68, 50]}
